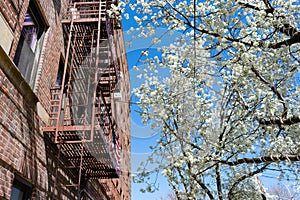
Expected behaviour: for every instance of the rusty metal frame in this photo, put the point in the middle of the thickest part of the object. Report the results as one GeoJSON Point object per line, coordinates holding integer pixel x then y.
{"type": "Point", "coordinates": [87, 144]}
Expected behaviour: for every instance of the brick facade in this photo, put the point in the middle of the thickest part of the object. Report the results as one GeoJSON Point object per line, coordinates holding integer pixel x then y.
{"type": "Point", "coordinates": [25, 151]}
{"type": "Point", "coordinates": [22, 149]}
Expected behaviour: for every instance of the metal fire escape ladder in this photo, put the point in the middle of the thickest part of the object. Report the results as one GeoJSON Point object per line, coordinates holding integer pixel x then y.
{"type": "Point", "coordinates": [81, 123]}
{"type": "Point", "coordinates": [56, 110]}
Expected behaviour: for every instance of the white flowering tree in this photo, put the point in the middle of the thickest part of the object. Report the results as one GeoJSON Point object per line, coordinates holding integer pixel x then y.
{"type": "Point", "coordinates": [230, 109]}
{"type": "Point", "coordinates": [281, 191]}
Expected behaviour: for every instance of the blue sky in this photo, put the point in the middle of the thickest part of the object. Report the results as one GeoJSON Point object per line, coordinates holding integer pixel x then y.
{"type": "Point", "coordinates": [141, 136]}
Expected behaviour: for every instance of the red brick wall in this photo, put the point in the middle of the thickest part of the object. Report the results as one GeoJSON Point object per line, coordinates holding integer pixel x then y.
{"type": "Point", "coordinates": [14, 13]}
{"type": "Point", "coordinates": [120, 189]}
{"type": "Point", "coordinates": [10, 11]}
{"type": "Point", "coordinates": [51, 53]}
{"type": "Point", "coordinates": [23, 149]}
{"type": "Point", "coordinates": [22, 146]}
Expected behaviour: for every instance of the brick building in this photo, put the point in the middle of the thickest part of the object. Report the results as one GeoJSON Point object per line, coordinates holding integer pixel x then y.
{"type": "Point", "coordinates": [64, 93]}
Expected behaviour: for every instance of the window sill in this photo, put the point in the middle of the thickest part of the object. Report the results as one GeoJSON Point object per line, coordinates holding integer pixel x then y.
{"type": "Point", "coordinates": [14, 75]}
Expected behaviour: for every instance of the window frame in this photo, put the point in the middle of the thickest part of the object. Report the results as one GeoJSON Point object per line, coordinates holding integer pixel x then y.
{"type": "Point", "coordinates": [22, 185]}
{"type": "Point", "coordinates": [28, 51]}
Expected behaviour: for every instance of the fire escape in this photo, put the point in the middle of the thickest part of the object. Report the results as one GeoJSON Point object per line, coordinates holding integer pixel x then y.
{"type": "Point", "coordinates": [81, 121]}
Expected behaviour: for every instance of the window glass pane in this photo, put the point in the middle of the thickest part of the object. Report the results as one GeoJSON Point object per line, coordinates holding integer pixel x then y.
{"type": "Point", "coordinates": [16, 194]}
{"type": "Point", "coordinates": [30, 43]}
{"type": "Point", "coordinates": [28, 19]}
{"type": "Point", "coordinates": [21, 189]}
{"type": "Point", "coordinates": [29, 31]}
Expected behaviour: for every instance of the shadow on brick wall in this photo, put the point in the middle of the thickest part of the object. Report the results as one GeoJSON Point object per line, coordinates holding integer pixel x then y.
{"type": "Point", "coordinates": [57, 5]}
{"type": "Point", "coordinates": [58, 175]}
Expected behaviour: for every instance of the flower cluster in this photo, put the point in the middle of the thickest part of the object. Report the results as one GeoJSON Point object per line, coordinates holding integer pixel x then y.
{"type": "Point", "coordinates": [229, 108]}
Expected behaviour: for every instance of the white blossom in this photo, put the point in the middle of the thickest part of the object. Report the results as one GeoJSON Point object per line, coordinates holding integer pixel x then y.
{"type": "Point", "coordinates": [229, 107]}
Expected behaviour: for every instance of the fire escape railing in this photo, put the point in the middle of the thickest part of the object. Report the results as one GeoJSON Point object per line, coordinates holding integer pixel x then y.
{"type": "Point", "coordinates": [81, 119]}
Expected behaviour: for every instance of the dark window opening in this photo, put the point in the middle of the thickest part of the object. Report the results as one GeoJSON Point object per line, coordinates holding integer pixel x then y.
{"type": "Point", "coordinates": [60, 74]}
{"type": "Point", "coordinates": [21, 189]}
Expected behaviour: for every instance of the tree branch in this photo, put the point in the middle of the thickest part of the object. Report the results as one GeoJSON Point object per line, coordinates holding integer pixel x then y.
{"type": "Point", "coordinates": [293, 40]}
{"type": "Point", "coordinates": [179, 137]}
{"type": "Point", "coordinates": [219, 183]}
{"type": "Point", "coordinates": [274, 89]}
{"type": "Point", "coordinates": [269, 6]}
{"type": "Point", "coordinates": [203, 186]}
{"type": "Point", "coordinates": [269, 9]}
{"type": "Point", "coordinates": [230, 193]}
{"type": "Point", "coordinates": [263, 159]}
{"type": "Point", "coordinates": [286, 28]}
{"type": "Point", "coordinates": [280, 122]}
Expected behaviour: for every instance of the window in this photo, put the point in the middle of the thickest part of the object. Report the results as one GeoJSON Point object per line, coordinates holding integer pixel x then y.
{"type": "Point", "coordinates": [30, 43]}
{"type": "Point", "coordinates": [60, 74]}
{"type": "Point", "coordinates": [21, 189]}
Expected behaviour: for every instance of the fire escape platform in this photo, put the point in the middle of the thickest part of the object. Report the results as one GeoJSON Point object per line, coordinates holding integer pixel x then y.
{"type": "Point", "coordinates": [81, 123]}
{"type": "Point", "coordinates": [80, 20]}
{"type": "Point", "coordinates": [95, 157]}
{"type": "Point", "coordinates": [67, 128]}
